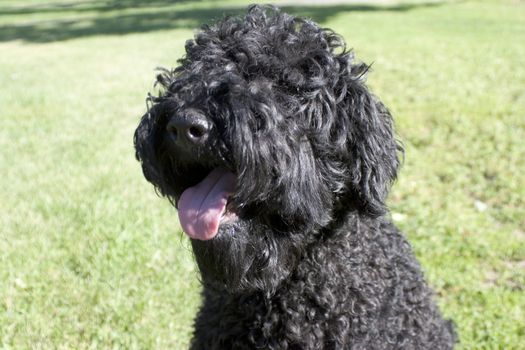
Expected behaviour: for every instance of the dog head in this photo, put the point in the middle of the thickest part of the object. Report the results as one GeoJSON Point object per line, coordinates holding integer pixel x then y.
{"type": "Point", "coordinates": [264, 135]}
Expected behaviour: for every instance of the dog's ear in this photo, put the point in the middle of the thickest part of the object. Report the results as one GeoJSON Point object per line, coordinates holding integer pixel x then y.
{"type": "Point", "coordinates": [146, 140]}
{"type": "Point", "coordinates": [371, 147]}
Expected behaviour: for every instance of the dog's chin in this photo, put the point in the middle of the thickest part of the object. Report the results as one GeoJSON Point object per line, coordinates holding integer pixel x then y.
{"type": "Point", "coordinates": [228, 222]}
{"type": "Point", "coordinates": [241, 259]}
{"type": "Point", "coordinates": [229, 225]}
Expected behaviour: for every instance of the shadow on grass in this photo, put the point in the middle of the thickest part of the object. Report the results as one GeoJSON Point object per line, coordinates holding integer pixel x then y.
{"type": "Point", "coordinates": [88, 6]}
{"type": "Point", "coordinates": [109, 19]}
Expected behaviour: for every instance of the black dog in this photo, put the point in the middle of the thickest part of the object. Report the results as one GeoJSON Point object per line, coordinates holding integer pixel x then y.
{"type": "Point", "coordinates": [279, 160]}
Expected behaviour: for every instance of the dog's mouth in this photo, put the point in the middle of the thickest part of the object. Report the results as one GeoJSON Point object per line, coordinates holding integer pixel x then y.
{"type": "Point", "coordinates": [204, 206]}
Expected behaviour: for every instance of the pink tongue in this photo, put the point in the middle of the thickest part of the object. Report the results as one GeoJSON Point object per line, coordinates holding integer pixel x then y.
{"type": "Point", "coordinates": [201, 206]}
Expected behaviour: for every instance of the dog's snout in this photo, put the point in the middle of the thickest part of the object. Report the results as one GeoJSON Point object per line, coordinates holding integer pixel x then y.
{"type": "Point", "coordinates": [188, 129]}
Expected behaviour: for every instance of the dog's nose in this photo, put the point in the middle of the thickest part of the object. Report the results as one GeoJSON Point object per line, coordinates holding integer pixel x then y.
{"type": "Point", "coordinates": [189, 129]}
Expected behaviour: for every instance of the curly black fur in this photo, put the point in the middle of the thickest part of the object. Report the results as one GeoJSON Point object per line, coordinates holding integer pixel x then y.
{"type": "Point", "coordinates": [312, 262]}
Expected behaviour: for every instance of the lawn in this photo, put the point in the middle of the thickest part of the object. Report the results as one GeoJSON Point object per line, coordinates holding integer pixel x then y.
{"type": "Point", "coordinates": [91, 258]}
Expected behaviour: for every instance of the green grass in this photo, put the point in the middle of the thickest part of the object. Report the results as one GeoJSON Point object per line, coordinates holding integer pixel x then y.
{"type": "Point", "coordinates": [92, 259]}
